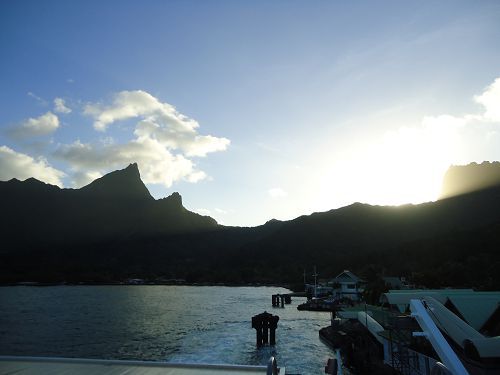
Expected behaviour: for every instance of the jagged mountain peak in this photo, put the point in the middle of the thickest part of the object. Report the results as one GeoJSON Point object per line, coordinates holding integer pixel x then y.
{"type": "Point", "coordinates": [175, 197]}
{"type": "Point", "coordinates": [132, 168]}
{"type": "Point", "coordinates": [123, 183]}
{"type": "Point", "coordinates": [34, 181]}
{"type": "Point", "coordinates": [29, 186]}
{"type": "Point", "coordinates": [173, 201]}
{"type": "Point", "coordinates": [28, 181]}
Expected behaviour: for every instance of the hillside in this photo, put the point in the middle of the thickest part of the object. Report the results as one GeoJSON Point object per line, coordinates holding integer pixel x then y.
{"type": "Point", "coordinates": [463, 179]}
{"type": "Point", "coordinates": [113, 229]}
{"type": "Point", "coordinates": [117, 205]}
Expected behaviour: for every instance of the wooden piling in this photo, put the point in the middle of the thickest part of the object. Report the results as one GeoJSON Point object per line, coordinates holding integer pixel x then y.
{"type": "Point", "coordinates": [273, 324]}
{"type": "Point", "coordinates": [259, 337]}
{"type": "Point", "coordinates": [279, 300]}
{"type": "Point", "coordinates": [265, 324]}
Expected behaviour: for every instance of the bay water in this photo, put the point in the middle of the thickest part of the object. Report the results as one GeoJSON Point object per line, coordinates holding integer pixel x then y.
{"type": "Point", "coordinates": [197, 324]}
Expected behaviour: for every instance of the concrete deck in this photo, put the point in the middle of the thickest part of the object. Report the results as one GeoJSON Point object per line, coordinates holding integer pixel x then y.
{"type": "Point", "coordinates": [59, 366]}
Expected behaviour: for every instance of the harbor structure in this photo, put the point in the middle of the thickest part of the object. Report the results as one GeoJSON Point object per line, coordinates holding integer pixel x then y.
{"type": "Point", "coordinates": [422, 332]}
{"type": "Point", "coordinates": [265, 325]}
{"type": "Point", "coordinates": [346, 285]}
{"type": "Point", "coordinates": [345, 289]}
{"type": "Point", "coordinates": [316, 290]}
{"type": "Point", "coordinates": [279, 300]}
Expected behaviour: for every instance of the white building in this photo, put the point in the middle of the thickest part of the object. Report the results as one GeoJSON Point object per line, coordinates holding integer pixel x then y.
{"type": "Point", "coordinates": [347, 285]}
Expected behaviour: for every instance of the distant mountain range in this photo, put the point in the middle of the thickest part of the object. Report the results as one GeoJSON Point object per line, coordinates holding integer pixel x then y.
{"type": "Point", "coordinates": [112, 229]}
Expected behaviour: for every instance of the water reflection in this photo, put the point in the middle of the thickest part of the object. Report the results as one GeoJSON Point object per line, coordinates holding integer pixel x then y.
{"type": "Point", "coordinates": [175, 323]}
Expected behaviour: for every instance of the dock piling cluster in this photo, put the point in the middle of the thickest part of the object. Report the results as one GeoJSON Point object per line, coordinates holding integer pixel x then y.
{"type": "Point", "coordinates": [265, 325]}
{"type": "Point", "coordinates": [279, 300]}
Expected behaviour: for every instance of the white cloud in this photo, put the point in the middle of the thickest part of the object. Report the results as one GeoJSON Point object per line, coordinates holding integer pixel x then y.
{"type": "Point", "coordinates": [126, 104]}
{"type": "Point", "coordinates": [277, 192]}
{"type": "Point", "coordinates": [159, 121]}
{"type": "Point", "coordinates": [180, 137]}
{"type": "Point", "coordinates": [164, 141]}
{"type": "Point", "coordinates": [196, 176]}
{"type": "Point", "coordinates": [157, 164]}
{"type": "Point", "coordinates": [34, 127]}
{"type": "Point", "coordinates": [490, 99]}
{"type": "Point", "coordinates": [60, 106]}
{"type": "Point", "coordinates": [21, 166]}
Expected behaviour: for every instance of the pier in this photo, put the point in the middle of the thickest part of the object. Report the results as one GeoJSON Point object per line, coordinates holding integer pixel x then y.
{"type": "Point", "coordinates": [279, 300]}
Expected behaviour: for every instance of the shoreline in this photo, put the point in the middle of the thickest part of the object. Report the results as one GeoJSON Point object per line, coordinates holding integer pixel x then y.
{"type": "Point", "coordinates": [166, 283]}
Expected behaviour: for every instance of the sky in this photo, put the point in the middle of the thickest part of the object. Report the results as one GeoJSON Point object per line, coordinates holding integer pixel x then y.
{"type": "Point", "coordinates": [251, 110]}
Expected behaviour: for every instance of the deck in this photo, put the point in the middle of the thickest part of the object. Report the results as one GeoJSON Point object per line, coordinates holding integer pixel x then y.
{"type": "Point", "coordinates": [59, 366]}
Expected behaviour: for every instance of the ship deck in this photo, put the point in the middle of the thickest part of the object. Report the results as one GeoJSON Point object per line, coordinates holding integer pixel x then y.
{"type": "Point", "coordinates": [59, 366]}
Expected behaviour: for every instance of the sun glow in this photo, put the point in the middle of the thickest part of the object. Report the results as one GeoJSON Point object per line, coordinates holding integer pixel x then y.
{"type": "Point", "coordinates": [402, 166]}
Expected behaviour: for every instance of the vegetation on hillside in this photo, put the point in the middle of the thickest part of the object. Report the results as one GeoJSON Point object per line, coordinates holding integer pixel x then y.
{"type": "Point", "coordinates": [91, 235]}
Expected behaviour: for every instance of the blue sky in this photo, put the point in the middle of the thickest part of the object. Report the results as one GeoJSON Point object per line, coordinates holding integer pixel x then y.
{"type": "Point", "coordinates": [251, 110]}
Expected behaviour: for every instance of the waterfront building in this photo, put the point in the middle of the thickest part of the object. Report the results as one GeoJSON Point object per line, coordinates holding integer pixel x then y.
{"type": "Point", "coordinates": [462, 325]}
{"type": "Point", "coordinates": [421, 332]}
{"type": "Point", "coordinates": [347, 285]}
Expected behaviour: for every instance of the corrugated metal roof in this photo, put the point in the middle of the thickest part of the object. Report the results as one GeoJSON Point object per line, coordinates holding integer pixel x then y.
{"type": "Point", "coordinates": [346, 274]}
{"type": "Point", "coordinates": [404, 298]}
{"type": "Point", "coordinates": [446, 291]}
{"type": "Point", "coordinates": [476, 309]}
{"type": "Point", "coordinates": [460, 332]}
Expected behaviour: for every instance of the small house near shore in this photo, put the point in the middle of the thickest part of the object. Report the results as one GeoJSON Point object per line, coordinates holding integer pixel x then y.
{"type": "Point", "coordinates": [347, 285]}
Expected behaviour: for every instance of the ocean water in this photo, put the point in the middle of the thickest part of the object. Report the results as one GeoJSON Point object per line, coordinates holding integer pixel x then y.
{"type": "Point", "coordinates": [172, 323]}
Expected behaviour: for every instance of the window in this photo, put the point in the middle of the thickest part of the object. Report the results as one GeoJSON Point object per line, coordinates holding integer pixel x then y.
{"type": "Point", "coordinates": [351, 286]}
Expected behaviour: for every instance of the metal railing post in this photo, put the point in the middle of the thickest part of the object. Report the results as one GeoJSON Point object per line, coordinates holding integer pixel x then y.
{"type": "Point", "coordinates": [272, 367]}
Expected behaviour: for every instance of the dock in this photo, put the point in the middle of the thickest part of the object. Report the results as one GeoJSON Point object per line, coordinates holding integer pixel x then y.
{"type": "Point", "coordinates": [58, 366]}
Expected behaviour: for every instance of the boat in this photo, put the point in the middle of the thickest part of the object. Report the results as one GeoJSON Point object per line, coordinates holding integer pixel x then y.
{"type": "Point", "coordinates": [319, 304]}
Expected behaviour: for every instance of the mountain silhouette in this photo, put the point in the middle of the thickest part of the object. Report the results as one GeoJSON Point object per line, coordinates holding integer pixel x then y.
{"type": "Point", "coordinates": [462, 179]}
{"type": "Point", "coordinates": [122, 184]}
{"type": "Point", "coordinates": [112, 229]}
{"type": "Point", "coordinates": [113, 206]}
